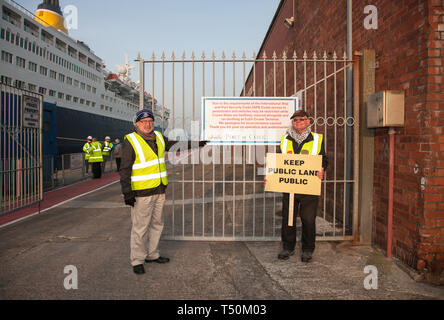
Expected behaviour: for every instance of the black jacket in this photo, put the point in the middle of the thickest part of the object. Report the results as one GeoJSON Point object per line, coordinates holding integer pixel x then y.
{"type": "Point", "coordinates": [297, 149]}
{"type": "Point", "coordinates": [127, 161]}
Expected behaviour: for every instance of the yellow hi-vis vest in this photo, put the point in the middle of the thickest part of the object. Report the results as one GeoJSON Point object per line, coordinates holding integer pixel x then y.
{"type": "Point", "coordinates": [96, 155]}
{"type": "Point", "coordinates": [148, 169]}
{"type": "Point", "coordinates": [313, 147]}
{"type": "Point", "coordinates": [86, 148]}
{"type": "Point", "coordinates": [107, 148]}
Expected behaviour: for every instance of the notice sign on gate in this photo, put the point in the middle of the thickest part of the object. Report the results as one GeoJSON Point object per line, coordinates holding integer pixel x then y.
{"type": "Point", "coordinates": [293, 173]}
{"type": "Point", "coordinates": [246, 120]}
{"type": "Point", "coordinates": [30, 112]}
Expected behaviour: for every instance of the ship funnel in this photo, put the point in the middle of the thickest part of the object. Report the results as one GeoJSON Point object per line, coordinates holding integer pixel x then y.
{"type": "Point", "coordinates": [49, 14]}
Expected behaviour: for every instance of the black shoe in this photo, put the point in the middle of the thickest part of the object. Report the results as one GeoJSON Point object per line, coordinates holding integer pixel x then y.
{"type": "Point", "coordinates": [139, 269]}
{"type": "Point", "coordinates": [158, 260]}
{"type": "Point", "coordinates": [306, 256]}
{"type": "Point", "coordinates": [285, 254]}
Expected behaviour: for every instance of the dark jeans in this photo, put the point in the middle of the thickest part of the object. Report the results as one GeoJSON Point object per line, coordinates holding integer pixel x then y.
{"type": "Point", "coordinates": [97, 169]}
{"type": "Point", "coordinates": [86, 166]}
{"type": "Point", "coordinates": [307, 206]}
{"type": "Point", "coordinates": [118, 163]}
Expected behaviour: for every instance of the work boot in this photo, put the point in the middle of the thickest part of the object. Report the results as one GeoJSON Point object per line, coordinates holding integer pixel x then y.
{"type": "Point", "coordinates": [285, 254]}
{"type": "Point", "coordinates": [306, 256]}
{"type": "Point", "coordinates": [158, 260]}
{"type": "Point", "coordinates": [139, 269]}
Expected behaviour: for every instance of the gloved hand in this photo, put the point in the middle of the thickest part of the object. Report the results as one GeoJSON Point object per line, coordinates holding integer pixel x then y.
{"type": "Point", "coordinates": [130, 199]}
{"type": "Point", "coordinates": [203, 143]}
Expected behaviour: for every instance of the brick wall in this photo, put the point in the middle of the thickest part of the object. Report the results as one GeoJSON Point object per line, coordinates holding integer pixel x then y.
{"type": "Point", "coordinates": [409, 46]}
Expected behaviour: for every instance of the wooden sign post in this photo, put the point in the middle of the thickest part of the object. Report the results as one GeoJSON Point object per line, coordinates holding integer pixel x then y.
{"type": "Point", "coordinates": [293, 173]}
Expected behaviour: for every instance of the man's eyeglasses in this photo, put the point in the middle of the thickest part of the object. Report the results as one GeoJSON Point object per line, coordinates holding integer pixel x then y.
{"type": "Point", "coordinates": [299, 119]}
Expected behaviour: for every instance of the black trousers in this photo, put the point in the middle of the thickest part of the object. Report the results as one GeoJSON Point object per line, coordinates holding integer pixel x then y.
{"type": "Point", "coordinates": [97, 169]}
{"type": "Point", "coordinates": [118, 164]}
{"type": "Point", "coordinates": [307, 206]}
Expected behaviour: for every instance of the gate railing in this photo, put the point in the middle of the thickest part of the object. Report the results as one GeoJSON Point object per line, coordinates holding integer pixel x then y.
{"type": "Point", "coordinates": [226, 200]}
{"type": "Point", "coordinates": [20, 152]}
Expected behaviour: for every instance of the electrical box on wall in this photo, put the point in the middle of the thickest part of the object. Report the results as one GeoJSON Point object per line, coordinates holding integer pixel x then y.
{"type": "Point", "coordinates": [385, 109]}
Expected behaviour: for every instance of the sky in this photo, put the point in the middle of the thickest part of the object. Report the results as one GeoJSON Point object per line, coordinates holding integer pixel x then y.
{"type": "Point", "coordinates": [113, 27]}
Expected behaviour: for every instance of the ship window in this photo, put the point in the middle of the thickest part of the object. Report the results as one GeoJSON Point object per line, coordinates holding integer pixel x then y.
{"type": "Point", "coordinates": [60, 45]}
{"type": "Point", "coordinates": [19, 84]}
{"type": "Point", "coordinates": [82, 101]}
{"type": "Point", "coordinates": [6, 80]}
{"type": "Point", "coordinates": [61, 77]}
{"type": "Point", "coordinates": [88, 88]}
{"type": "Point", "coordinates": [12, 38]}
{"type": "Point", "coordinates": [76, 83]}
{"type": "Point", "coordinates": [72, 52]}
{"type": "Point", "coordinates": [82, 86]}
{"type": "Point", "coordinates": [43, 70]}
{"type": "Point", "coordinates": [20, 62]}
{"type": "Point", "coordinates": [8, 33]}
{"type": "Point", "coordinates": [47, 37]}
{"type": "Point", "coordinates": [52, 74]}
{"type": "Point", "coordinates": [93, 104]}
{"type": "Point", "coordinates": [2, 34]}
{"type": "Point", "coordinates": [52, 93]}
{"type": "Point", "coordinates": [87, 102]}
{"type": "Point", "coordinates": [33, 47]}
{"type": "Point", "coordinates": [31, 28]}
{"type": "Point", "coordinates": [11, 17]}
{"type": "Point", "coordinates": [82, 57]}
{"type": "Point", "coordinates": [29, 46]}
{"type": "Point", "coordinates": [69, 80]}
{"type": "Point", "coordinates": [94, 90]}
{"type": "Point", "coordinates": [6, 56]}
{"type": "Point", "coordinates": [68, 97]}
{"type": "Point", "coordinates": [32, 87]}
{"type": "Point", "coordinates": [61, 95]}
{"type": "Point", "coordinates": [32, 66]}
{"type": "Point", "coordinates": [17, 39]}
{"type": "Point", "coordinates": [75, 99]}
{"type": "Point", "coordinates": [42, 90]}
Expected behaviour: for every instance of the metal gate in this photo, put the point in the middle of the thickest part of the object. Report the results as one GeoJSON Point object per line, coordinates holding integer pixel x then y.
{"type": "Point", "coordinates": [21, 148]}
{"type": "Point", "coordinates": [225, 199]}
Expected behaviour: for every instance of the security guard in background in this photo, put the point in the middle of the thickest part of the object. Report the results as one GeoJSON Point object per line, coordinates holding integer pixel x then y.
{"type": "Point", "coordinates": [96, 158]}
{"type": "Point", "coordinates": [107, 146]}
{"type": "Point", "coordinates": [86, 149]}
{"type": "Point", "coordinates": [299, 139]}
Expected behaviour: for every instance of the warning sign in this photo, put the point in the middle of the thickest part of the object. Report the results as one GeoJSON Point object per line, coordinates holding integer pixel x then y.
{"type": "Point", "coordinates": [246, 120]}
{"type": "Point", "coordinates": [293, 173]}
{"type": "Point", "coordinates": [30, 112]}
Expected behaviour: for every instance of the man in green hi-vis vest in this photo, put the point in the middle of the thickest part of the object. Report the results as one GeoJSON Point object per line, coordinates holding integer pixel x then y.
{"type": "Point", "coordinates": [143, 178]}
{"type": "Point", "coordinates": [299, 139]}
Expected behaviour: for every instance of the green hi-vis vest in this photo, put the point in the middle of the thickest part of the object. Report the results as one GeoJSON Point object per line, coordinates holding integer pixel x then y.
{"type": "Point", "coordinates": [107, 148]}
{"type": "Point", "coordinates": [86, 148]}
{"type": "Point", "coordinates": [95, 153]}
{"type": "Point", "coordinates": [148, 169]}
{"type": "Point", "coordinates": [313, 147]}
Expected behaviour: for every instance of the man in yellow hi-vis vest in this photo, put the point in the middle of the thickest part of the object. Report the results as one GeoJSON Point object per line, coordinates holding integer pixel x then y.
{"type": "Point", "coordinates": [143, 178]}
{"type": "Point", "coordinates": [86, 149]}
{"type": "Point", "coordinates": [107, 146]}
{"type": "Point", "coordinates": [299, 139]}
{"type": "Point", "coordinates": [95, 158]}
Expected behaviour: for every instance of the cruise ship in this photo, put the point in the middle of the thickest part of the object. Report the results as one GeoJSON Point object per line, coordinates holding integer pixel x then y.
{"type": "Point", "coordinates": [81, 96]}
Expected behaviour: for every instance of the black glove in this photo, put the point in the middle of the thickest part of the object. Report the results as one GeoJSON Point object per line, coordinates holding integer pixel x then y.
{"type": "Point", "coordinates": [130, 199]}
{"type": "Point", "coordinates": [130, 202]}
{"type": "Point", "coordinates": [203, 143]}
